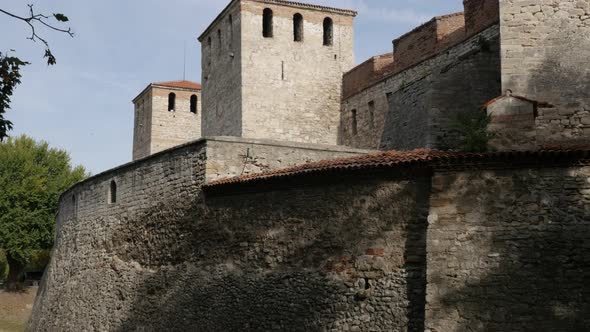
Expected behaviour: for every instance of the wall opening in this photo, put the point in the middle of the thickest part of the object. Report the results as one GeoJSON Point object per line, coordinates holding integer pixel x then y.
{"type": "Point", "coordinates": [194, 100]}
{"type": "Point", "coordinates": [113, 192]}
{"type": "Point", "coordinates": [209, 50]}
{"type": "Point", "coordinates": [74, 206]}
{"type": "Point", "coordinates": [231, 31]}
{"type": "Point", "coordinates": [267, 23]}
{"type": "Point", "coordinates": [171, 102]}
{"type": "Point", "coordinates": [298, 27]}
{"type": "Point", "coordinates": [219, 41]}
{"type": "Point", "coordinates": [371, 113]}
{"type": "Point", "coordinates": [328, 31]}
{"type": "Point", "coordinates": [354, 128]}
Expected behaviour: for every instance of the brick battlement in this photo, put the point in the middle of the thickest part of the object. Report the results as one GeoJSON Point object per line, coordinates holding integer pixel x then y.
{"type": "Point", "coordinates": [428, 40]}
{"type": "Point", "coordinates": [422, 43]}
{"type": "Point", "coordinates": [480, 14]}
{"type": "Point", "coordinates": [367, 73]}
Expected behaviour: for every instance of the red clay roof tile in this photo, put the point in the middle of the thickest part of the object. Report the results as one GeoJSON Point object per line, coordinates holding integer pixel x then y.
{"type": "Point", "coordinates": [182, 84]}
{"type": "Point", "coordinates": [419, 157]}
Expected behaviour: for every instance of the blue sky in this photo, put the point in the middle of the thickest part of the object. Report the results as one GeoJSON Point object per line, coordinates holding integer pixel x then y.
{"type": "Point", "coordinates": [83, 104]}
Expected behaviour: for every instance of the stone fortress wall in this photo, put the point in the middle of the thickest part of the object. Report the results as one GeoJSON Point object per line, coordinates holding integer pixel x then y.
{"type": "Point", "coordinates": [545, 48]}
{"type": "Point", "coordinates": [447, 66]}
{"type": "Point", "coordinates": [342, 247]}
{"type": "Point", "coordinates": [396, 241]}
{"type": "Point", "coordinates": [504, 46]}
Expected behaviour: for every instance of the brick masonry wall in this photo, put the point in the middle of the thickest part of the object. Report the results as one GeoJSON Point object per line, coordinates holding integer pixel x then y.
{"type": "Point", "coordinates": [366, 74]}
{"type": "Point", "coordinates": [170, 129]}
{"type": "Point", "coordinates": [427, 40]}
{"type": "Point", "coordinates": [423, 98]}
{"type": "Point", "coordinates": [508, 250]}
{"type": "Point", "coordinates": [292, 90]}
{"type": "Point", "coordinates": [480, 14]}
{"type": "Point", "coordinates": [222, 76]}
{"type": "Point", "coordinates": [545, 47]}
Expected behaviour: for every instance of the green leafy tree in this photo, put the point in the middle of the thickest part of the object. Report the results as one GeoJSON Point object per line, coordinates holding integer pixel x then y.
{"type": "Point", "coordinates": [32, 176]}
{"type": "Point", "coordinates": [11, 65]}
{"type": "Point", "coordinates": [468, 132]}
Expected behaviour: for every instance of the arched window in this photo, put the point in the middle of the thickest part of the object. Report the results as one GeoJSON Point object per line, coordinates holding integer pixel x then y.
{"type": "Point", "coordinates": [194, 101]}
{"type": "Point", "coordinates": [298, 27]}
{"type": "Point", "coordinates": [328, 31]}
{"type": "Point", "coordinates": [171, 102]}
{"type": "Point", "coordinates": [267, 23]}
{"type": "Point", "coordinates": [113, 192]}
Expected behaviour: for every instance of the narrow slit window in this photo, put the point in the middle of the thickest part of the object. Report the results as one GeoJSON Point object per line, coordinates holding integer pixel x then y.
{"type": "Point", "coordinates": [171, 102]}
{"type": "Point", "coordinates": [219, 47]}
{"type": "Point", "coordinates": [328, 31]}
{"type": "Point", "coordinates": [371, 113]}
{"type": "Point", "coordinates": [113, 192]}
{"type": "Point", "coordinates": [194, 100]}
{"type": "Point", "coordinates": [353, 122]}
{"type": "Point", "coordinates": [209, 46]}
{"type": "Point", "coordinates": [267, 23]}
{"type": "Point", "coordinates": [297, 27]}
{"type": "Point", "coordinates": [231, 31]}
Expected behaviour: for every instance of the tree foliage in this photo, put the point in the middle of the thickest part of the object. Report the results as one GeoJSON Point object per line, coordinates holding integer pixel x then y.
{"type": "Point", "coordinates": [9, 78]}
{"type": "Point", "coordinates": [468, 132]}
{"type": "Point", "coordinates": [32, 176]}
{"type": "Point", "coordinates": [11, 65]}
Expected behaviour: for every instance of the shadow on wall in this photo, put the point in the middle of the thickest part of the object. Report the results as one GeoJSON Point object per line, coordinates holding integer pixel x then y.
{"type": "Point", "coordinates": [288, 260]}
{"type": "Point", "coordinates": [524, 255]}
{"type": "Point", "coordinates": [558, 74]}
{"type": "Point", "coordinates": [419, 112]}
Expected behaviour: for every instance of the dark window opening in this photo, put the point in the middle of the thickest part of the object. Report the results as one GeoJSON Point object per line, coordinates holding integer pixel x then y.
{"type": "Point", "coordinates": [194, 101]}
{"type": "Point", "coordinates": [219, 41]}
{"type": "Point", "coordinates": [231, 31]}
{"type": "Point", "coordinates": [267, 23]}
{"type": "Point", "coordinates": [354, 122]}
{"type": "Point", "coordinates": [371, 113]}
{"type": "Point", "coordinates": [209, 50]}
{"type": "Point", "coordinates": [113, 192]}
{"type": "Point", "coordinates": [297, 27]}
{"type": "Point", "coordinates": [328, 31]}
{"type": "Point", "coordinates": [171, 102]}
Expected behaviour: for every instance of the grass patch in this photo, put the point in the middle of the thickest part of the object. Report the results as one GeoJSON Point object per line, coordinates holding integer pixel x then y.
{"type": "Point", "coordinates": [11, 326]}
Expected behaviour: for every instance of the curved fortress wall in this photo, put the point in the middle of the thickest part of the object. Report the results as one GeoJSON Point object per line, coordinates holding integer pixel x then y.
{"type": "Point", "coordinates": [91, 224]}
{"type": "Point", "coordinates": [498, 245]}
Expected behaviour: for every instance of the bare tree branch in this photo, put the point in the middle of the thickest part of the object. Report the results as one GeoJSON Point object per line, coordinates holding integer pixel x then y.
{"type": "Point", "coordinates": [32, 19]}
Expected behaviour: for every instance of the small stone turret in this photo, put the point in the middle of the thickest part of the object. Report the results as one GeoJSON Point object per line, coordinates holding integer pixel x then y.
{"type": "Point", "coordinates": [166, 114]}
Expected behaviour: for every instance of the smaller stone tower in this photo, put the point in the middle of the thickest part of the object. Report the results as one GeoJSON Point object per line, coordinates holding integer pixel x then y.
{"type": "Point", "coordinates": [167, 114]}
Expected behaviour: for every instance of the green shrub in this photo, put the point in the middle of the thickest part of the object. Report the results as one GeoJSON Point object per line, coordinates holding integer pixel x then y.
{"type": "Point", "coordinates": [3, 266]}
{"type": "Point", "coordinates": [468, 133]}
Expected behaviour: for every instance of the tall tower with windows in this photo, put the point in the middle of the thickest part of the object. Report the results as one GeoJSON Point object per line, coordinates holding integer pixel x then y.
{"type": "Point", "coordinates": [273, 69]}
{"type": "Point", "coordinates": [167, 114]}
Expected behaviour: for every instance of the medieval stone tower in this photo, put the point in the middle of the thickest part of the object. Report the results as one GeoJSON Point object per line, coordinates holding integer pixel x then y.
{"type": "Point", "coordinates": [273, 69]}
{"type": "Point", "coordinates": [167, 114]}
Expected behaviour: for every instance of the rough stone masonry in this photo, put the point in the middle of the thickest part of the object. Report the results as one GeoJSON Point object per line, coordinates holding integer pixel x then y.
{"type": "Point", "coordinates": [249, 234]}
